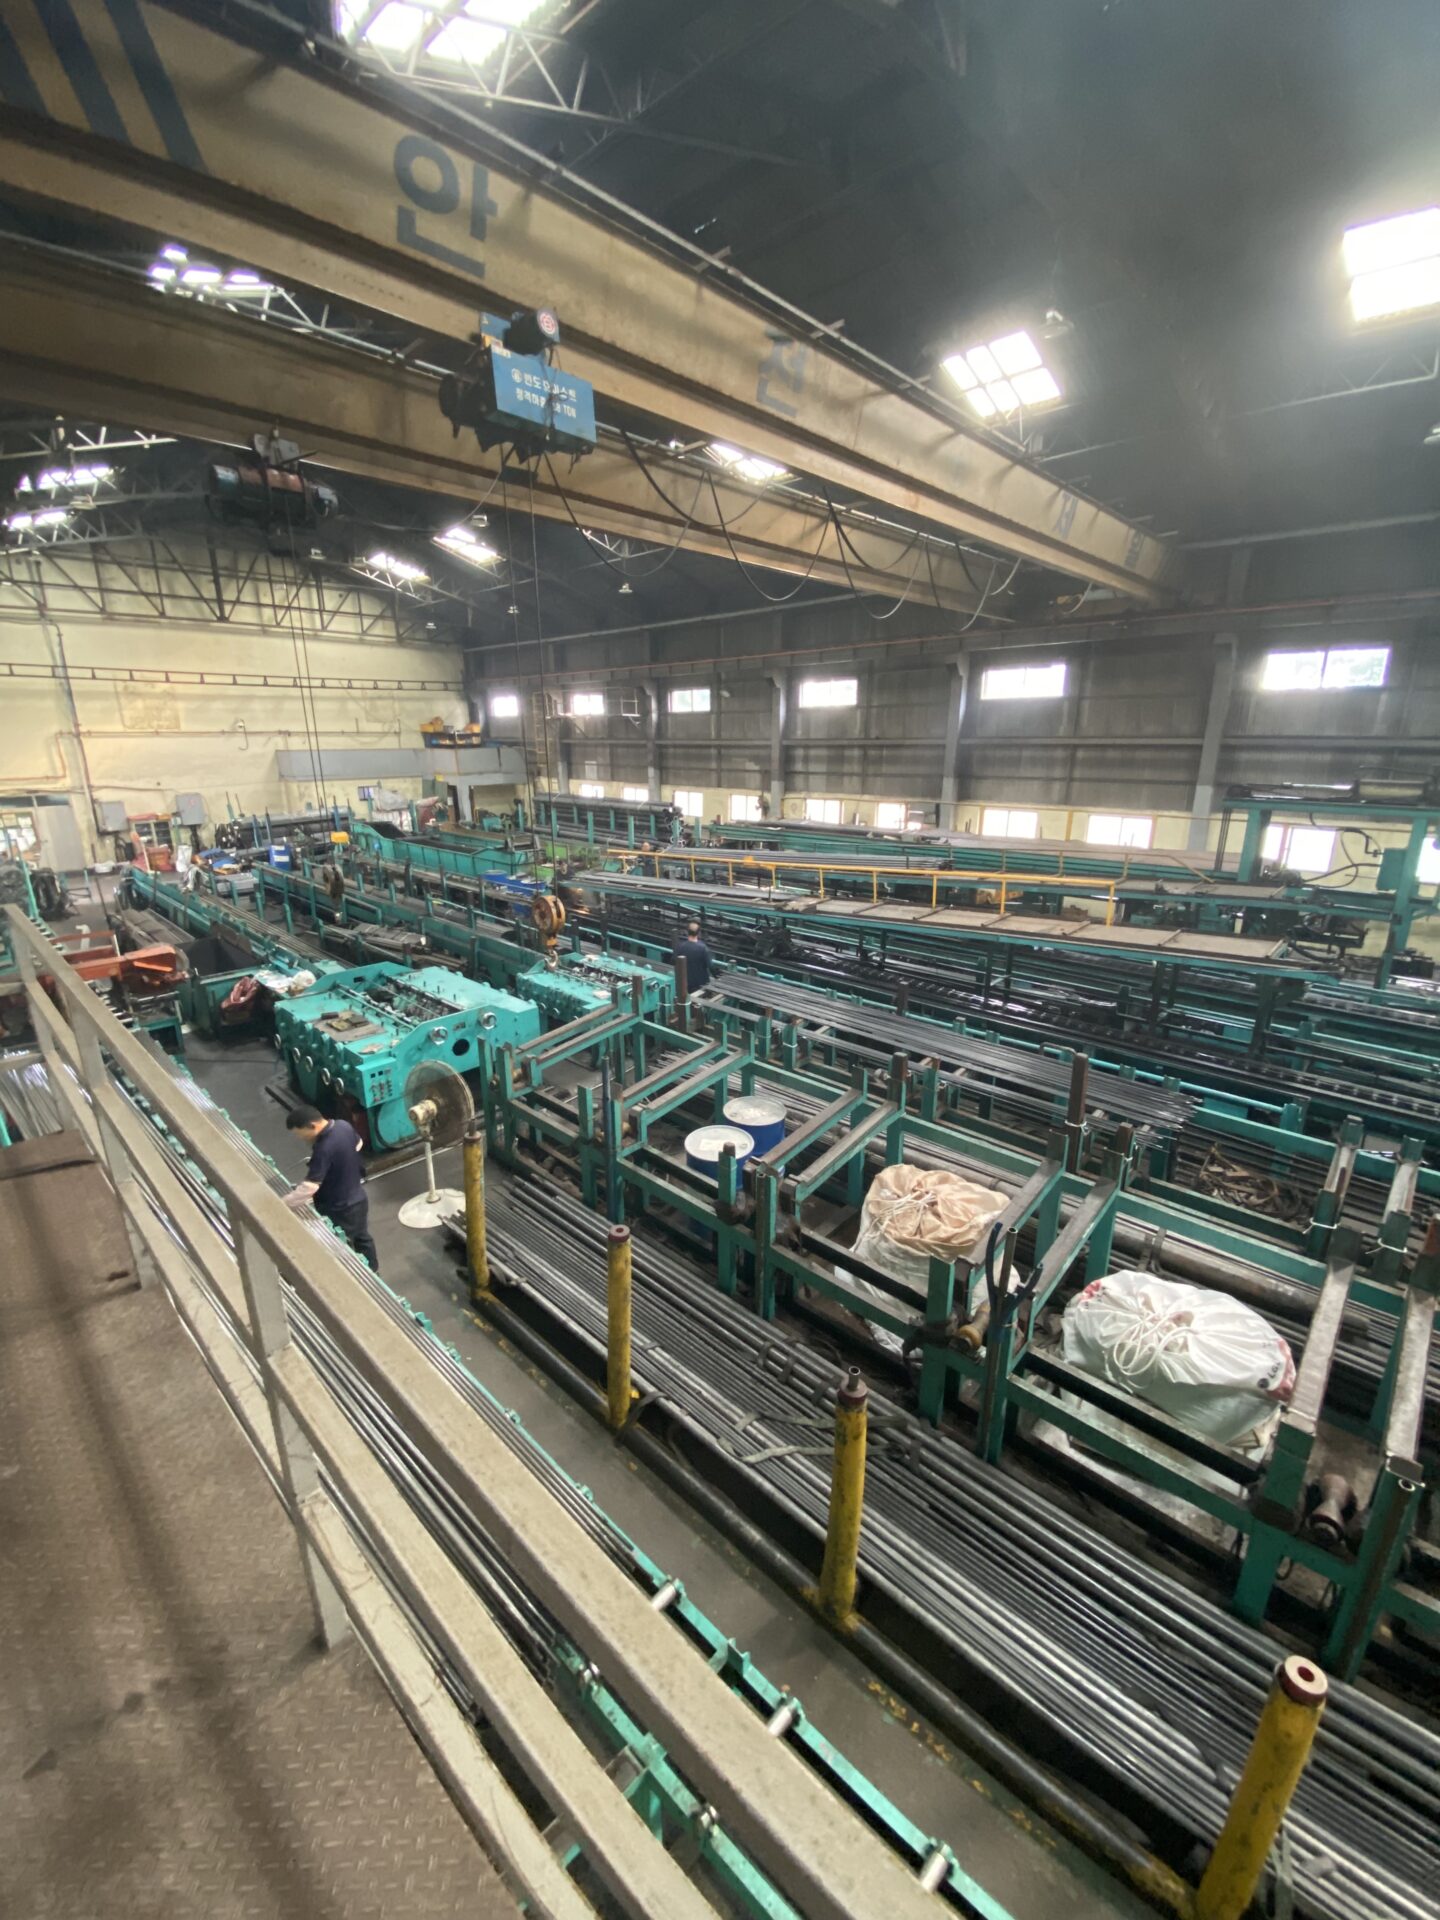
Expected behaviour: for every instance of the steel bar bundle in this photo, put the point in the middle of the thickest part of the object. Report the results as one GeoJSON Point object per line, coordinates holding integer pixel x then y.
{"type": "Point", "coordinates": [1157, 1686]}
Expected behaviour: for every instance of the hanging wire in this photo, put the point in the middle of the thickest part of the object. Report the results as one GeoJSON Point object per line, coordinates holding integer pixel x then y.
{"type": "Point", "coordinates": [599, 551]}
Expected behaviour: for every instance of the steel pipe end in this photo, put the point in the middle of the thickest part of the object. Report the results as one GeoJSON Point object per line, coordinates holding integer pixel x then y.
{"type": "Point", "coordinates": [1302, 1680]}
{"type": "Point", "coordinates": [853, 1390]}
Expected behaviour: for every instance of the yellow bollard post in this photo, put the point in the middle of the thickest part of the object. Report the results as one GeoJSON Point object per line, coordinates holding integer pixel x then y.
{"type": "Point", "coordinates": [618, 1392]}
{"type": "Point", "coordinates": [836, 1593]}
{"type": "Point", "coordinates": [1276, 1761]}
{"type": "Point", "coordinates": [475, 1254]}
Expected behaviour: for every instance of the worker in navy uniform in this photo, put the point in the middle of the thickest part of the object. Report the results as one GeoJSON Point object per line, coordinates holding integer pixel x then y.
{"type": "Point", "coordinates": [696, 955]}
{"type": "Point", "coordinates": [335, 1178]}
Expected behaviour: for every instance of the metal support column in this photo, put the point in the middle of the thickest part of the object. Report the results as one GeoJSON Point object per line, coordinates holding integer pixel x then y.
{"type": "Point", "coordinates": [1222, 687]}
{"type": "Point", "coordinates": [779, 719]}
{"type": "Point", "coordinates": [956, 705]}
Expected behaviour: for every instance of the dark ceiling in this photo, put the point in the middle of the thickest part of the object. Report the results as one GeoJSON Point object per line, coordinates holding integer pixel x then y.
{"type": "Point", "coordinates": [1168, 180]}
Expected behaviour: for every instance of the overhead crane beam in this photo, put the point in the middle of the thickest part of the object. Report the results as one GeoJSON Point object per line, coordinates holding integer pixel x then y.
{"type": "Point", "coordinates": [145, 116]}
{"type": "Point", "coordinates": [97, 343]}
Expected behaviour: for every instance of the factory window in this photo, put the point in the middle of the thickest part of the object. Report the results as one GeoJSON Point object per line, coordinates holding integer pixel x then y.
{"type": "Point", "coordinates": [745, 806]}
{"type": "Point", "coordinates": [825, 813]}
{"type": "Point", "coordinates": [1023, 683]}
{"type": "Point", "coordinates": [1428, 871]}
{"type": "Point", "coordinates": [587, 706]}
{"type": "Point", "coordinates": [634, 793]}
{"type": "Point", "coordinates": [504, 706]}
{"type": "Point", "coordinates": [1119, 829]}
{"type": "Point", "coordinates": [829, 693]}
{"type": "Point", "coordinates": [1301, 849]}
{"type": "Point", "coordinates": [689, 699]}
{"type": "Point", "coordinates": [1012, 823]}
{"type": "Point", "coordinates": [1327, 668]}
{"type": "Point", "coordinates": [690, 801]}
{"type": "Point", "coordinates": [892, 815]}
{"type": "Point", "coordinates": [590, 790]}
{"type": "Point", "coordinates": [1004, 376]}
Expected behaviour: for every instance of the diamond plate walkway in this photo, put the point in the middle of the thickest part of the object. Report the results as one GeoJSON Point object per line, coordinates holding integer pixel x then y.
{"type": "Point", "coordinates": [171, 1742]}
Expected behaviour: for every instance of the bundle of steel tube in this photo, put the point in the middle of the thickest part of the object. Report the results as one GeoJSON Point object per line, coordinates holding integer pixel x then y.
{"type": "Point", "coordinates": [983, 1064]}
{"type": "Point", "coordinates": [1157, 1685]}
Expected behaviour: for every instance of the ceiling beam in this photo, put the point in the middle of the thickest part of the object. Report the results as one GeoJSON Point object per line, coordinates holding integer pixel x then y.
{"type": "Point", "coordinates": [97, 344]}
{"type": "Point", "coordinates": [324, 183]}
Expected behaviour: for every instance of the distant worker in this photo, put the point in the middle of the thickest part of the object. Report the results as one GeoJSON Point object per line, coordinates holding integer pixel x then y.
{"type": "Point", "coordinates": [696, 955]}
{"type": "Point", "coordinates": [335, 1178]}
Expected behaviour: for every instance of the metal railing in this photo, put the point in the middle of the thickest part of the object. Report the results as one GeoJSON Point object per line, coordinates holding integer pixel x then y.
{"type": "Point", "coordinates": [373, 1568]}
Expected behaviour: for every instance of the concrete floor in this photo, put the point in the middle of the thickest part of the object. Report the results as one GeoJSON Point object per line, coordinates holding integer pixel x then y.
{"type": "Point", "coordinates": [173, 1743]}
{"type": "Point", "coordinates": [1014, 1855]}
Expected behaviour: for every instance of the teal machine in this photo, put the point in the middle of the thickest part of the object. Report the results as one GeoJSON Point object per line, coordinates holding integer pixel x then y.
{"type": "Point", "coordinates": [355, 1041]}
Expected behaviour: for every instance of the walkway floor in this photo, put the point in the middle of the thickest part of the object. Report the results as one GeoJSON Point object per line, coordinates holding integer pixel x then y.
{"type": "Point", "coordinates": [172, 1743]}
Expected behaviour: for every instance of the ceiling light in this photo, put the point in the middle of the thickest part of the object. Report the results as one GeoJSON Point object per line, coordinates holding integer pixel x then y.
{"type": "Point", "coordinates": [162, 274]}
{"type": "Point", "coordinates": [396, 27]}
{"type": "Point", "coordinates": [1016, 352]}
{"type": "Point", "coordinates": [463, 542]}
{"type": "Point", "coordinates": [749, 466]}
{"type": "Point", "coordinates": [31, 522]}
{"type": "Point", "coordinates": [1394, 264]}
{"type": "Point", "coordinates": [174, 253]}
{"type": "Point", "coordinates": [398, 569]}
{"type": "Point", "coordinates": [625, 587]}
{"type": "Point", "coordinates": [201, 277]}
{"type": "Point", "coordinates": [57, 479]}
{"type": "Point", "coordinates": [1003, 376]}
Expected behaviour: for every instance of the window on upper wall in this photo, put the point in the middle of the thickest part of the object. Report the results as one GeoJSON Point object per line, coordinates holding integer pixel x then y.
{"type": "Point", "coordinates": [1011, 823]}
{"type": "Point", "coordinates": [1023, 683]}
{"type": "Point", "coordinates": [1301, 849]}
{"type": "Point", "coordinates": [825, 813]}
{"type": "Point", "coordinates": [1428, 870]}
{"type": "Point", "coordinates": [1328, 668]}
{"type": "Point", "coordinates": [690, 801]}
{"type": "Point", "coordinates": [891, 816]}
{"type": "Point", "coordinates": [745, 806]}
{"type": "Point", "coordinates": [634, 793]}
{"type": "Point", "coordinates": [1119, 829]}
{"type": "Point", "coordinates": [689, 700]}
{"type": "Point", "coordinates": [590, 790]}
{"type": "Point", "coordinates": [829, 693]}
{"type": "Point", "coordinates": [587, 706]}
{"type": "Point", "coordinates": [504, 706]}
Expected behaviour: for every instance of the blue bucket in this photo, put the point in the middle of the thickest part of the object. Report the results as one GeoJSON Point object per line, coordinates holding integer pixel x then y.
{"type": "Point", "coordinates": [704, 1146]}
{"type": "Point", "coordinates": [760, 1115]}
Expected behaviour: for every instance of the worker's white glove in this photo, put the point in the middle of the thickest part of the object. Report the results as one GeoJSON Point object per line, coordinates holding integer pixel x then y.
{"type": "Point", "coordinates": [297, 1199]}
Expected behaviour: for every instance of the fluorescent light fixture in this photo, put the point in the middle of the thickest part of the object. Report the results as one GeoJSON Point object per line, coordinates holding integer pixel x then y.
{"type": "Point", "coordinates": [33, 522]}
{"type": "Point", "coordinates": [398, 569]}
{"type": "Point", "coordinates": [64, 479]}
{"type": "Point", "coordinates": [466, 544]}
{"type": "Point", "coordinates": [201, 277]}
{"type": "Point", "coordinates": [396, 27]}
{"type": "Point", "coordinates": [749, 466]}
{"type": "Point", "coordinates": [175, 253]}
{"type": "Point", "coordinates": [162, 275]}
{"type": "Point", "coordinates": [1004, 376]}
{"type": "Point", "coordinates": [1394, 264]}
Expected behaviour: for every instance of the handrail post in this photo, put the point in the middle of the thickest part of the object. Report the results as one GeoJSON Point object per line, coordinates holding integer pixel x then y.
{"type": "Point", "coordinates": [619, 1295]}
{"type": "Point", "coordinates": [1281, 1747]}
{"type": "Point", "coordinates": [836, 1592]}
{"type": "Point", "coordinates": [476, 1252]}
